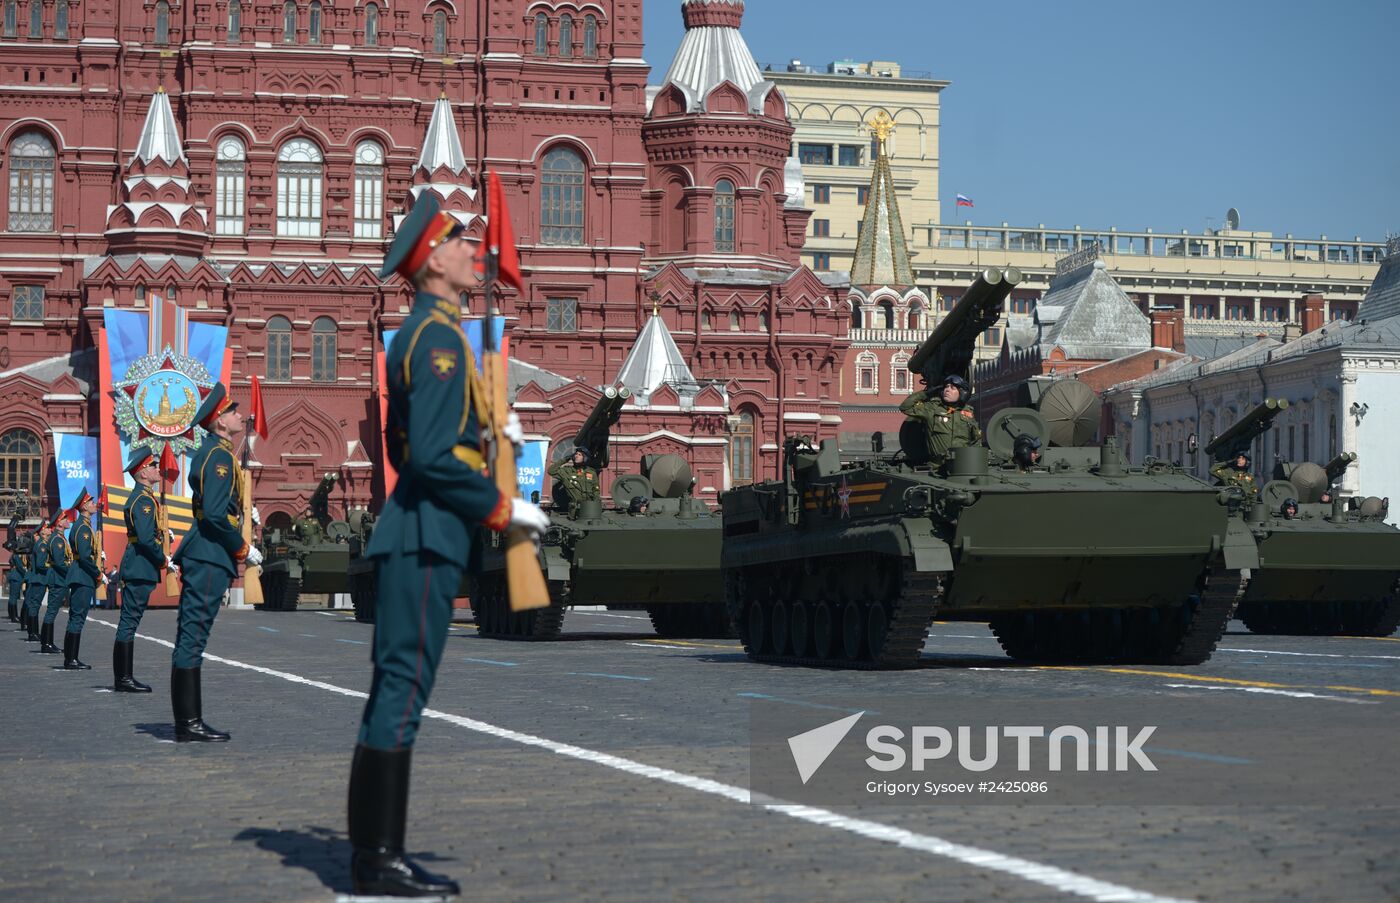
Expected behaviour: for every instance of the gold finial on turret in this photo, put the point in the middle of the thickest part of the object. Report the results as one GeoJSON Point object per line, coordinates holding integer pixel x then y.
{"type": "Point", "coordinates": [882, 126]}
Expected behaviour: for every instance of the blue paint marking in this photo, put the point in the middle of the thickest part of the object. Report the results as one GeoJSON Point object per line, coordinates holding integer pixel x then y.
{"type": "Point", "coordinates": [353, 642]}
{"type": "Point", "coordinates": [488, 661]}
{"type": "Point", "coordinates": [805, 705]}
{"type": "Point", "coordinates": [270, 629]}
{"type": "Point", "coordinates": [599, 674]}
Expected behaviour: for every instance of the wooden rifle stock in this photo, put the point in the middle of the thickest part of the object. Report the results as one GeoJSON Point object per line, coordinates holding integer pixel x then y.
{"type": "Point", "coordinates": [524, 579]}
{"type": "Point", "coordinates": [172, 582]}
{"type": "Point", "coordinates": [252, 575]}
{"type": "Point", "coordinates": [101, 592]}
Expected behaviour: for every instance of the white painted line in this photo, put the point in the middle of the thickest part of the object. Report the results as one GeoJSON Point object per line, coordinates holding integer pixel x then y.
{"type": "Point", "coordinates": [1390, 658]}
{"type": "Point", "coordinates": [661, 646]}
{"type": "Point", "coordinates": [608, 614]}
{"type": "Point", "coordinates": [1053, 877]}
{"type": "Point", "coordinates": [1296, 694]}
{"type": "Point", "coordinates": [328, 614]}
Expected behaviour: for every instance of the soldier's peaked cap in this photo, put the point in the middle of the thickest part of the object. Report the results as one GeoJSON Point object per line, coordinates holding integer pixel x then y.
{"type": "Point", "coordinates": [83, 496]}
{"type": "Point", "coordinates": [214, 404]}
{"type": "Point", "coordinates": [138, 458]}
{"type": "Point", "coordinates": [423, 231]}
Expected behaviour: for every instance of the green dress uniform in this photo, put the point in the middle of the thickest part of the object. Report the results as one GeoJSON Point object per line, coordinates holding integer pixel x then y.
{"type": "Point", "coordinates": [427, 535]}
{"type": "Point", "coordinates": [947, 427]}
{"type": "Point", "coordinates": [38, 585]}
{"type": "Point", "coordinates": [15, 582]}
{"type": "Point", "coordinates": [139, 574]}
{"type": "Point", "coordinates": [83, 576]}
{"type": "Point", "coordinates": [60, 558]}
{"type": "Point", "coordinates": [208, 558]}
{"type": "Point", "coordinates": [1226, 473]}
{"type": "Point", "coordinates": [580, 483]}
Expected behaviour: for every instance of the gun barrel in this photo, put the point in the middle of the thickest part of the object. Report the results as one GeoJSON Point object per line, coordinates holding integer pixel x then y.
{"type": "Point", "coordinates": [949, 348]}
{"type": "Point", "coordinates": [593, 435]}
{"type": "Point", "coordinates": [1245, 430]}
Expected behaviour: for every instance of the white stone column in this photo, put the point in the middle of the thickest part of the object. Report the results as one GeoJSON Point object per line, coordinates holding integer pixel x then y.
{"type": "Point", "coordinates": [1220, 307]}
{"type": "Point", "coordinates": [1257, 309]}
{"type": "Point", "coordinates": [1293, 310]}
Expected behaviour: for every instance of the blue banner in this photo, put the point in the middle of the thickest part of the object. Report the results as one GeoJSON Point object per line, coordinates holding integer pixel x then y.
{"type": "Point", "coordinates": [473, 330]}
{"type": "Point", "coordinates": [75, 458]}
{"type": "Point", "coordinates": [530, 469]}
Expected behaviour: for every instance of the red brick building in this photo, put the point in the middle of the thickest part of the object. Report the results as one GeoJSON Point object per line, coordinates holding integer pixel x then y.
{"type": "Point", "coordinates": [251, 160]}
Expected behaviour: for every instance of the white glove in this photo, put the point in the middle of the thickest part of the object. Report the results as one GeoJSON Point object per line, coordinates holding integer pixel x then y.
{"type": "Point", "coordinates": [257, 518]}
{"type": "Point", "coordinates": [105, 581]}
{"type": "Point", "coordinates": [254, 557]}
{"type": "Point", "coordinates": [514, 431]}
{"type": "Point", "coordinates": [528, 516]}
{"type": "Point", "coordinates": [104, 554]}
{"type": "Point", "coordinates": [170, 564]}
{"type": "Point", "coordinates": [170, 534]}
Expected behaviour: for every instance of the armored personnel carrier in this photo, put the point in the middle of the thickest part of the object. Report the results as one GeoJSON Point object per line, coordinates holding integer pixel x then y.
{"type": "Point", "coordinates": [312, 557]}
{"type": "Point", "coordinates": [1078, 558]}
{"type": "Point", "coordinates": [1333, 568]}
{"type": "Point", "coordinates": [665, 560]}
{"type": "Point", "coordinates": [359, 570]}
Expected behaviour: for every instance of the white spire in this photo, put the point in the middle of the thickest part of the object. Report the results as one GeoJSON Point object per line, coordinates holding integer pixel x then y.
{"type": "Point", "coordinates": [160, 139]}
{"type": "Point", "coordinates": [655, 360]}
{"type": "Point", "coordinates": [712, 52]}
{"type": "Point", "coordinates": [442, 147]}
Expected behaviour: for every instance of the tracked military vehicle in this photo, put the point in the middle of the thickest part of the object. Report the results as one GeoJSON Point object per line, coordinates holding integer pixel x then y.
{"type": "Point", "coordinates": [1334, 568]}
{"type": "Point", "coordinates": [359, 570]}
{"type": "Point", "coordinates": [312, 557]}
{"type": "Point", "coordinates": [665, 561]}
{"type": "Point", "coordinates": [1080, 558]}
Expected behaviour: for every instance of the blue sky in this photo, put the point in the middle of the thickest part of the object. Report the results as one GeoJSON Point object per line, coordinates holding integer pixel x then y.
{"type": "Point", "coordinates": [1132, 115]}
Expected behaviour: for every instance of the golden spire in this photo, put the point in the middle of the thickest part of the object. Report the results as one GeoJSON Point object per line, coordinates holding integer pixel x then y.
{"type": "Point", "coordinates": [882, 126]}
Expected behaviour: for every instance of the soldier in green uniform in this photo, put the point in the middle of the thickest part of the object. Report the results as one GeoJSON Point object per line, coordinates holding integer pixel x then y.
{"type": "Point", "coordinates": [947, 420]}
{"type": "Point", "coordinates": [60, 558]}
{"type": "Point", "coordinates": [1025, 451]}
{"type": "Point", "coordinates": [427, 534]}
{"type": "Point", "coordinates": [83, 576]}
{"type": "Point", "coordinates": [140, 568]}
{"type": "Point", "coordinates": [38, 581]}
{"type": "Point", "coordinates": [1236, 473]}
{"type": "Point", "coordinates": [17, 544]}
{"type": "Point", "coordinates": [208, 558]}
{"type": "Point", "coordinates": [578, 479]}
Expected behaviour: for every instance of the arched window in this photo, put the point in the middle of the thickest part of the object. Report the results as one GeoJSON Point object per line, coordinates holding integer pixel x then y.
{"type": "Point", "coordinates": [162, 21]}
{"type": "Point", "coordinates": [313, 34]}
{"type": "Point", "coordinates": [21, 460]}
{"type": "Point", "coordinates": [566, 36]}
{"type": "Point", "coordinates": [541, 34]}
{"type": "Point", "coordinates": [915, 313]}
{"type": "Point", "coordinates": [323, 350]}
{"type": "Point", "coordinates": [763, 321]}
{"type": "Point", "coordinates": [369, 190]}
{"type": "Point", "coordinates": [230, 169]}
{"type": "Point", "coordinates": [724, 216]}
{"type": "Point", "coordinates": [371, 25]}
{"type": "Point", "coordinates": [36, 18]}
{"type": "Point", "coordinates": [867, 373]}
{"type": "Point", "coordinates": [289, 23]}
{"type": "Point", "coordinates": [171, 294]}
{"type": "Point", "coordinates": [741, 451]}
{"type": "Point", "coordinates": [139, 293]}
{"type": "Point", "coordinates": [279, 349]}
{"type": "Point", "coordinates": [590, 36]}
{"type": "Point", "coordinates": [734, 322]}
{"type": "Point", "coordinates": [60, 22]}
{"type": "Point", "coordinates": [31, 183]}
{"type": "Point", "coordinates": [899, 373]}
{"type": "Point", "coordinates": [11, 17]}
{"type": "Point", "coordinates": [27, 303]}
{"type": "Point", "coordinates": [856, 320]}
{"type": "Point", "coordinates": [299, 171]}
{"type": "Point", "coordinates": [440, 33]}
{"type": "Point", "coordinates": [235, 20]}
{"type": "Point", "coordinates": [707, 320]}
{"type": "Point", "coordinates": [561, 198]}
{"type": "Point", "coordinates": [887, 314]}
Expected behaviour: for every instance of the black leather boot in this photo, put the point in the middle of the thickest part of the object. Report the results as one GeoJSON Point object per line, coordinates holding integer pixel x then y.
{"type": "Point", "coordinates": [71, 642]}
{"type": "Point", "coordinates": [122, 657]}
{"type": "Point", "coordinates": [31, 628]}
{"type": "Point", "coordinates": [378, 809]}
{"type": "Point", "coordinates": [10, 611]}
{"type": "Point", "coordinates": [46, 645]}
{"type": "Point", "coordinates": [188, 706]}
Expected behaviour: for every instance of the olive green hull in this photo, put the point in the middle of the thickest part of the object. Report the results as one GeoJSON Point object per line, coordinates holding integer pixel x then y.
{"type": "Point", "coordinates": [1313, 561]}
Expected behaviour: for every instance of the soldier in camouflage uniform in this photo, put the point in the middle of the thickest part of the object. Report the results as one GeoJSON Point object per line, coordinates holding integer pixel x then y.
{"type": "Point", "coordinates": [578, 479]}
{"type": "Point", "coordinates": [1236, 473]}
{"type": "Point", "coordinates": [948, 422]}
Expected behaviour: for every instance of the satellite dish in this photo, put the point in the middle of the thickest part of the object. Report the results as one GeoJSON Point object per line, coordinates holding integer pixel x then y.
{"type": "Point", "coordinates": [1072, 410]}
{"type": "Point", "coordinates": [1232, 219]}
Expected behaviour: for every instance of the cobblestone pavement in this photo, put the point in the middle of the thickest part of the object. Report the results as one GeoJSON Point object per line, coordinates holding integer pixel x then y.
{"type": "Point", "coordinates": [100, 805]}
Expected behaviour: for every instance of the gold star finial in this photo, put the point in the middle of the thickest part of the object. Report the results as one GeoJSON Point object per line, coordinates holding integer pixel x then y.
{"type": "Point", "coordinates": [881, 126]}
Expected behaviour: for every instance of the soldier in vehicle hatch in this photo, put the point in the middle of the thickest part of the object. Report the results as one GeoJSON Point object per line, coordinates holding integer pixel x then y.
{"type": "Point", "coordinates": [948, 421]}
{"type": "Point", "coordinates": [1236, 473]}
{"type": "Point", "coordinates": [1026, 452]}
{"type": "Point", "coordinates": [578, 479]}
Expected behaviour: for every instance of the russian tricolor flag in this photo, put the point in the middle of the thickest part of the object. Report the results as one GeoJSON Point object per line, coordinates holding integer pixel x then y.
{"type": "Point", "coordinates": [964, 201]}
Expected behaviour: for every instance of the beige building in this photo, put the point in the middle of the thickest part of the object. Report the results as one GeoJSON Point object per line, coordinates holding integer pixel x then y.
{"type": "Point", "coordinates": [831, 110]}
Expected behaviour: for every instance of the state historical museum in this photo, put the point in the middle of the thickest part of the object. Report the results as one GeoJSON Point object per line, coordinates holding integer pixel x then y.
{"type": "Point", "coordinates": [250, 161]}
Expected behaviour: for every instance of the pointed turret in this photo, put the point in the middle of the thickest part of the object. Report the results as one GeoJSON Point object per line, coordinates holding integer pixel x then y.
{"type": "Point", "coordinates": [442, 166]}
{"type": "Point", "coordinates": [713, 52]}
{"type": "Point", "coordinates": [655, 361]}
{"type": "Point", "coordinates": [882, 255]}
{"type": "Point", "coordinates": [155, 188]}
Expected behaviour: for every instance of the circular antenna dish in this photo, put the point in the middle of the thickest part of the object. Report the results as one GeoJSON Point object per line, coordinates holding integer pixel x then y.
{"type": "Point", "coordinates": [1276, 492]}
{"type": "Point", "coordinates": [1232, 219]}
{"type": "Point", "coordinates": [1008, 423]}
{"type": "Point", "coordinates": [1310, 480]}
{"type": "Point", "coordinates": [1072, 410]}
{"type": "Point", "coordinates": [629, 486]}
{"type": "Point", "coordinates": [670, 477]}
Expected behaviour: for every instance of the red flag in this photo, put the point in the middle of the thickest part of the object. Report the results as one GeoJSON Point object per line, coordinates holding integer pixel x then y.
{"type": "Point", "coordinates": [500, 237]}
{"type": "Point", "coordinates": [259, 412]}
{"type": "Point", "coordinates": [169, 465]}
{"type": "Point", "coordinates": [102, 500]}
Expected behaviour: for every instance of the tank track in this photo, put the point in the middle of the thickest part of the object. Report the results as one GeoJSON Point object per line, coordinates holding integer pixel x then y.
{"type": "Point", "coordinates": [1177, 636]}
{"type": "Point", "coordinates": [280, 592]}
{"type": "Point", "coordinates": [906, 616]}
{"type": "Point", "coordinates": [695, 620]}
{"type": "Point", "coordinates": [1377, 619]}
{"type": "Point", "coordinates": [495, 620]}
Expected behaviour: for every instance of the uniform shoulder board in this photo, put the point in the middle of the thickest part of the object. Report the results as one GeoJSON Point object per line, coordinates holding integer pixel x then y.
{"type": "Point", "coordinates": [968, 414]}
